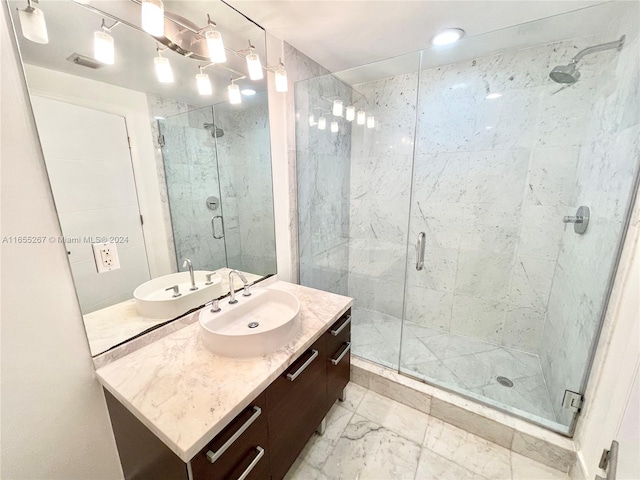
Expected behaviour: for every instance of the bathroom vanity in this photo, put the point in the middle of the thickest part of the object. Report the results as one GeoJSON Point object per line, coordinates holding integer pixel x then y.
{"type": "Point", "coordinates": [178, 411]}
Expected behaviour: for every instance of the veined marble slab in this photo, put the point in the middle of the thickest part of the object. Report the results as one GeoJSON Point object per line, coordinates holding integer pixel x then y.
{"type": "Point", "coordinates": [186, 395]}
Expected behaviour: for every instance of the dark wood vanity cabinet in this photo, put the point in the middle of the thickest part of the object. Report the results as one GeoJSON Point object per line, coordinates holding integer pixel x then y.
{"type": "Point", "coordinates": [264, 440]}
{"type": "Point", "coordinates": [242, 447]}
{"type": "Point", "coordinates": [339, 358]}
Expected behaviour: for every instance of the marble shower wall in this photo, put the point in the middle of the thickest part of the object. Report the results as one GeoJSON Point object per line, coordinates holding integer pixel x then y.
{"type": "Point", "coordinates": [606, 167]}
{"type": "Point", "coordinates": [322, 164]}
{"type": "Point", "coordinates": [492, 179]}
{"type": "Point", "coordinates": [244, 160]}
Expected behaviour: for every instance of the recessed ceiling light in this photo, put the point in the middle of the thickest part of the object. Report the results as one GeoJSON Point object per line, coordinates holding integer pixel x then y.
{"type": "Point", "coordinates": [449, 35]}
{"type": "Point", "coordinates": [492, 96]}
{"type": "Point", "coordinates": [247, 92]}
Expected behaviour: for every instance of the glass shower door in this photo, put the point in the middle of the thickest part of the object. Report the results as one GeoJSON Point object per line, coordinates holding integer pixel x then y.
{"type": "Point", "coordinates": [507, 306]}
{"type": "Point", "coordinates": [194, 189]}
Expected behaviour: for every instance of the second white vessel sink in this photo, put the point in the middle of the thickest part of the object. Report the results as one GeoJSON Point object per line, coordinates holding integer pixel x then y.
{"type": "Point", "coordinates": [256, 325]}
{"type": "Point", "coordinates": [154, 301]}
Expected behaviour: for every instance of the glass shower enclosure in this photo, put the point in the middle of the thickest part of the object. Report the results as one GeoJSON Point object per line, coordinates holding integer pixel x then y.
{"type": "Point", "coordinates": [475, 207]}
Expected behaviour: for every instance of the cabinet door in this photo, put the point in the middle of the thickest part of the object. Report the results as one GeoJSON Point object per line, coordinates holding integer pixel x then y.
{"type": "Point", "coordinates": [339, 357]}
{"type": "Point", "coordinates": [296, 405]}
{"type": "Point", "coordinates": [241, 448]}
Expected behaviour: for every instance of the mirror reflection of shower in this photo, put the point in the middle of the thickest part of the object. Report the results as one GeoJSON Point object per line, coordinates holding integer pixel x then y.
{"type": "Point", "coordinates": [569, 73]}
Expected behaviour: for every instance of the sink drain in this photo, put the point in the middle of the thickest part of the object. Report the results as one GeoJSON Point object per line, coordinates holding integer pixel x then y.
{"type": "Point", "coordinates": [253, 325]}
{"type": "Point", "coordinates": [505, 382]}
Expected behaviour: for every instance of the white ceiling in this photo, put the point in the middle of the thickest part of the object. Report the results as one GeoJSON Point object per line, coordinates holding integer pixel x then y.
{"type": "Point", "coordinates": [345, 34]}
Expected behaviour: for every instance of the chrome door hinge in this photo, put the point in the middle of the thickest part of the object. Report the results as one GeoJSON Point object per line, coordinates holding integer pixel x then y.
{"type": "Point", "coordinates": [572, 401]}
{"type": "Point", "coordinates": [141, 220]}
{"type": "Point", "coordinates": [609, 462]}
{"type": "Point", "coordinates": [161, 140]}
{"type": "Point", "coordinates": [129, 142]}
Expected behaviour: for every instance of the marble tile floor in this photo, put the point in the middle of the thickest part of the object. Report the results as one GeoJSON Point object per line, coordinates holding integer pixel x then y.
{"type": "Point", "coordinates": [370, 436]}
{"type": "Point", "coordinates": [461, 363]}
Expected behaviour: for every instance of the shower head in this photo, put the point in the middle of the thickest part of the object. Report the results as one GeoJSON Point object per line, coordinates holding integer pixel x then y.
{"type": "Point", "coordinates": [565, 73]}
{"type": "Point", "coordinates": [569, 74]}
{"type": "Point", "coordinates": [216, 132]}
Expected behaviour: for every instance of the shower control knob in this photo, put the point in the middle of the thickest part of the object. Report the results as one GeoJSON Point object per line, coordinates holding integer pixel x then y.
{"type": "Point", "coordinates": [580, 220]}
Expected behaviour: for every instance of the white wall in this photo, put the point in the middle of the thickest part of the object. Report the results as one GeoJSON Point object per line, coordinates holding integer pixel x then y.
{"type": "Point", "coordinates": [133, 106]}
{"type": "Point", "coordinates": [54, 418]}
{"type": "Point", "coordinates": [615, 367]}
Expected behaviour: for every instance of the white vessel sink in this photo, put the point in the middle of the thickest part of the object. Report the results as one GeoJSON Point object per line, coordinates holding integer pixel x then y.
{"type": "Point", "coordinates": [256, 325]}
{"type": "Point", "coordinates": [153, 301]}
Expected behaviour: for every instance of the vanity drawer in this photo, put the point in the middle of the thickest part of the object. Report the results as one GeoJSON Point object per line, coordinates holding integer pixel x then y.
{"type": "Point", "coordinates": [296, 405]}
{"type": "Point", "coordinates": [241, 446]}
{"type": "Point", "coordinates": [338, 357]}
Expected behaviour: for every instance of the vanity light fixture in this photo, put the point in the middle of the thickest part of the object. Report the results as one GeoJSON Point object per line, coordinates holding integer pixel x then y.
{"type": "Point", "coordinates": [334, 127]}
{"type": "Point", "coordinates": [322, 123]}
{"type": "Point", "coordinates": [215, 45]}
{"type": "Point", "coordinates": [371, 122]}
{"type": "Point", "coordinates": [152, 12]}
{"type": "Point", "coordinates": [33, 24]}
{"type": "Point", "coordinates": [361, 117]}
{"type": "Point", "coordinates": [163, 68]}
{"type": "Point", "coordinates": [282, 85]}
{"type": "Point", "coordinates": [312, 120]}
{"type": "Point", "coordinates": [203, 82]}
{"type": "Point", "coordinates": [350, 113]}
{"type": "Point", "coordinates": [493, 96]}
{"type": "Point", "coordinates": [449, 35]}
{"type": "Point", "coordinates": [253, 64]}
{"type": "Point", "coordinates": [181, 35]}
{"type": "Point", "coordinates": [337, 108]}
{"type": "Point", "coordinates": [234, 93]}
{"type": "Point", "coordinates": [103, 46]}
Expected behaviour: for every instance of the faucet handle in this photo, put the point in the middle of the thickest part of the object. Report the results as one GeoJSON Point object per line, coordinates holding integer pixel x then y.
{"type": "Point", "coordinates": [215, 307]}
{"type": "Point", "coordinates": [246, 291]}
{"type": "Point", "coordinates": [176, 291]}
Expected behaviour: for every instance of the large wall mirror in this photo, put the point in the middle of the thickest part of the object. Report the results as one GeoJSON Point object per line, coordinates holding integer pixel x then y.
{"type": "Point", "coordinates": [158, 157]}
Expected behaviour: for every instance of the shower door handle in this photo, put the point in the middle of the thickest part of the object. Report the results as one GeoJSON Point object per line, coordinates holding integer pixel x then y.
{"type": "Point", "coordinates": [213, 226]}
{"type": "Point", "coordinates": [420, 251]}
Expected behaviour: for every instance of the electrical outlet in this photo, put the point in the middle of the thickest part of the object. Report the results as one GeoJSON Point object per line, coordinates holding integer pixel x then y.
{"type": "Point", "coordinates": [106, 257]}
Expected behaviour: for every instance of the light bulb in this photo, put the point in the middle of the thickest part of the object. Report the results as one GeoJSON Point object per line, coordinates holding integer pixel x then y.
{"type": "Point", "coordinates": [33, 25]}
{"type": "Point", "coordinates": [153, 17]}
{"type": "Point", "coordinates": [234, 94]}
{"type": "Point", "coordinates": [361, 117]}
{"type": "Point", "coordinates": [281, 81]}
{"type": "Point", "coordinates": [350, 114]}
{"type": "Point", "coordinates": [204, 84]}
{"type": "Point", "coordinates": [371, 122]}
{"type": "Point", "coordinates": [312, 120]}
{"type": "Point", "coordinates": [254, 66]}
{"type": "Point", "coordinates": [334, 127]}
{"type": "Point", "coordinates": [322, 123]}
{"type": "Point", "coordinates": [215, 46]}
{"type": "Point", "coordinates": [248, 92]}
{"type": "Point", "coordinates": [447, 36]}
{"type": "Point", "coordinates": [163, 70]}
{"type": "Point", "coordinates": [337, 108]}
{"type": "Point", "coordinates": [493, 96]}
{"type": "Point", "coordinates": [103, 49]}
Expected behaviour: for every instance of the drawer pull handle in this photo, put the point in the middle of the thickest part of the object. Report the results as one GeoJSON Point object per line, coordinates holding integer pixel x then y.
{"type": "Point", "coordinates": [341, 327]}
{"type": "Point", "coordinates": [253, 463]}
{"type": "Point", "coordinates": [346, 350]}
{"type": "Point", "coordinates": [213, 456]}
{"type": "Point", "coordinates": [293, 376]}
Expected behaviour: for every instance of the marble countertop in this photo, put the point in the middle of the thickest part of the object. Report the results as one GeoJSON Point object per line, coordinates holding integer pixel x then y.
{"type": "Point", "coordinates": [117, 323]}
{"type": "Point", "coordinates": [186, 395]}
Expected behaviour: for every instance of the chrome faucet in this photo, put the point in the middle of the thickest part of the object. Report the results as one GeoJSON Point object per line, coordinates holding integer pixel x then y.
{"type": "Point", "coordinates": [187, 263]}
{"type": "Point", "coordinates": [232, 290]}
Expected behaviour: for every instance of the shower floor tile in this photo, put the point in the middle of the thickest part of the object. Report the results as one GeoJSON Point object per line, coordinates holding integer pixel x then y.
{"type": "Point", "coordinates": [378, 439]}
{"type": "Point", "coordinates": [454, 361]}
